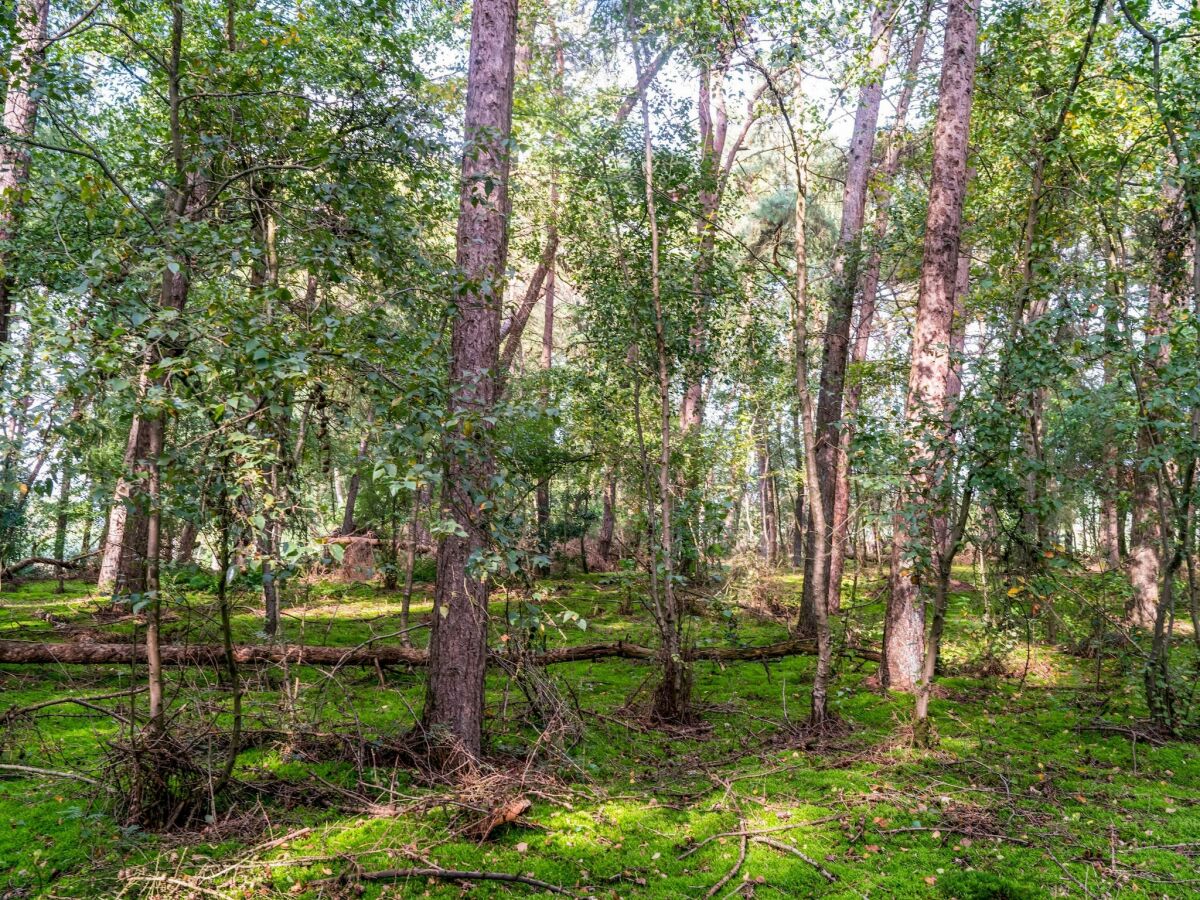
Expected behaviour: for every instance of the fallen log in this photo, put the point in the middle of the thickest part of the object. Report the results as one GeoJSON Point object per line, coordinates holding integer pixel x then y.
{"type": "Point", "coordinates": [180, 655]}
{"type": "Point", "coordinates": [74, 563]}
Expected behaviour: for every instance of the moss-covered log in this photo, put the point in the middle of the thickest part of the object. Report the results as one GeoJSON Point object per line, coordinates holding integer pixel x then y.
{"type": "Point", "coordinates": [30, 652]}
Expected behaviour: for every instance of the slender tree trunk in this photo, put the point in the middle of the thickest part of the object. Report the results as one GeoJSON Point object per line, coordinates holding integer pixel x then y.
{"type": "Point", "coordinates": [713, 128]}
{"type": "Point", "coordinates": [866, 316]}
{"type": "Point", "coordinates": [154, 665]}
{"type": "Point", "coordinates": [1110, 519]}
{"type": "Point", "coordinates": [820, 691]}
{"type": "Point", "coordinates": [62, 517]}
{"type": "Point", "coordinates": [85, 539]}
{"type": "Point", "coordinates": [608, 519]}
{"type": "Point", "coordinates": [20, 120]}
{"type": "Point", "coordinates": [122, 567]}
{"type": "Point", "coordinates": [672, 699]}
{"type": "Point", "coordinates": [453, 716]}
{"type": "Point", "coordinates": [410, 561]}
{"type": "Point", "coordinates": [185, 547]}
{"type": "Point", "coordinates": [122, 563]}
{"type": "Point", "coordinates": [542, 492]}
{"type": "Point", "coordinates": [348, 524]}
{"type": "Point", "coordinates": [925, 407]}
{"type": "Point", "coordinates": [798, 504]}
{"type": "Point", "coordinates": [767, 501]}
{"type": "Point", "coordinates": [841, 310]}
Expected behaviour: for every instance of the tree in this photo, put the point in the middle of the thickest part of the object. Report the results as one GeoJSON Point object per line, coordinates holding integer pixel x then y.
{"type": "Point", "coordinates": [453, 716]}
{"type": "Point", "coordinates": [929, 366]}
{"type": "Point", "coordinates": [20, 120]}
{"type": "Point", "coordinates": [827, 589]}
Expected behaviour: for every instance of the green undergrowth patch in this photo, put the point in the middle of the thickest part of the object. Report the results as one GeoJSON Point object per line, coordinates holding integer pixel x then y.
{"type": "Point", "coordinates": [1040, 785]}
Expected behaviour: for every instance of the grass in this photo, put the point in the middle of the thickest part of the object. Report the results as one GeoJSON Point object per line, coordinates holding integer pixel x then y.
{"type": "Point", "coordinates": [1022, 798]}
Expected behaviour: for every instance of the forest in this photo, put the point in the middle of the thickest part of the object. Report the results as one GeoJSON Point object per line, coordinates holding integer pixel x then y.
{"type": "Point", "coordinates": [618, 449]}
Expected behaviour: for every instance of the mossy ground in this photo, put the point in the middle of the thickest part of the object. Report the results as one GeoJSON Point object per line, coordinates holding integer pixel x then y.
{"type": "Point", "coordinates": [1022, 798]}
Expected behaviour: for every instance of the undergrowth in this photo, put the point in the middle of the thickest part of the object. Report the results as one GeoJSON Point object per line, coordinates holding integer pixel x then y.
{"type": "Point", "coordinates": [1043, 783]}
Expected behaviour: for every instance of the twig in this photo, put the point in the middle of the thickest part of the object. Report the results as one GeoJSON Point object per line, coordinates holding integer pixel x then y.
{"type": "Point", "coordinates": [795, 851]}
{"type": "Point", "coordinates": [89, 702]}
{"type": "Point", "coordinates": [715, 889]}
{"type": "Point", "coordinates": [457, 875]}
{"type": "Point", "coordinates": [180, 882]}
{"type": "Point", "coordinates": [54, 773]}
{"type": "Point", "coordinates": [759, 831]}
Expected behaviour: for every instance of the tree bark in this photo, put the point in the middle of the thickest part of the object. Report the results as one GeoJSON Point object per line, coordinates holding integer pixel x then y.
{"type": "Point", "coordinates": [925, 405]}
{"type": "Point", "coordinates": [214, 655]}
{"type": "Point", "coordinates": [62, 517]}
{"type": "Point", "coordinates": [122, 565]}
{"type": "Point", "coordinates": [542, 491]}
{"type": "Point", "coordinates": [841, 309]}
{"type": "Point", "coordinates": [124, 542]}
{"type": "Point", "coordinates": [348, 524]}
{"type": "Point", "coordinates": [185, 547]}
{"type": "Point", "coordinates": [768, 507]}
{"type": "Point", "coordinates": [1110, 519]}
{"type": "Point", "coordinates": [866, 315]}
{"type": "Point", "coordinates": [672, 698]}
{"type": "Point", "coordinates": [608, 519]}
{"type": "Point", "coordinates": [20, 120]}
{"type": "Point", "coordinates": [453, 714]}
{"type": "Point", "coordinates": [154, 666]}
{"type": "Point", "coordinates": [1151, 530]}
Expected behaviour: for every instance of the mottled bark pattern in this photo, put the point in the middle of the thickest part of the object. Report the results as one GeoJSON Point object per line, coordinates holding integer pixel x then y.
{"type": "Point", "coordinates": [453, 716]}
{"type": "Point", "coordinates": [925, 407]}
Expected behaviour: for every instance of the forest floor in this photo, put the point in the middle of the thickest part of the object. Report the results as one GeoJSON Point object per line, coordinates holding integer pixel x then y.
{"type": "Point", "coordinates": [1043, 783]}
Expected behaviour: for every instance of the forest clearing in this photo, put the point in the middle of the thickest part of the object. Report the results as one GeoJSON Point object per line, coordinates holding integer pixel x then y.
{"type": "Point", "coordinates": [729, 449]}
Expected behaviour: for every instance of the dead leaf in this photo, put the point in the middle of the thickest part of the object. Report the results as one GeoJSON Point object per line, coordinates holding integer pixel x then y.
{"type": "Point", "coordinates": [501, 814]}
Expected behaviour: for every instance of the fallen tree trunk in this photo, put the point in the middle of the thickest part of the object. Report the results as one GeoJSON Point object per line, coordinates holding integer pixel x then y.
{"type": "Point", "coordinates": [75, 563]}
{"type": "Point", "coordinates": [32, 652]}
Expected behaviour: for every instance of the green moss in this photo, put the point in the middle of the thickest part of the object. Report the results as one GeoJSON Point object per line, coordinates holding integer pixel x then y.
{"type": "Point", "coordinates": [1018, 781]}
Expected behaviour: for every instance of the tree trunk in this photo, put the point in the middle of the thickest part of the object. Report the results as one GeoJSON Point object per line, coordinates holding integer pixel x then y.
{"type": "Point", "coordinates": [20, 120]}
{"type": "Point", "coordinates": [85, 539]}
{"type": "Point", "coordinates": [841, 309]}
{"type": "Point", "coordinates": [767, 502]}
{"type": "Point", "coordinates": [62, 517]}
{"type": "Point", "coordinates": [154, 665]}
{"type": "Point", "coordinates": [798, 504]}
{"type": "Point", "coordinates": [672, 697]}
{"type": "Point", "coordinates": [1110, 519]}
{"type": "Point", "coordinates": [121, 565]}
{"type": "Point", "coordinates": [866, 314]}
{"type": "Point", "coordinates": [180, 655]}
{"type": "Point", "coordinates": [608, 520]}
{"type": "Point", "coordinates": [820, 690]}
{"type": "Point", "coordinates": [925, 406]}
{"type": "Point", "coordinates": [542, 499]}
{"type": "Point", "coordinates": [410, 561]}
{"type": "Point", "coordinates": [185, 547]}
{"type": "Point", "coordinates": [453, 715]}
{"type": "Point", "coordinates": [348, 524]}
{"type": "Point", "coordinates": [1151, 532]}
